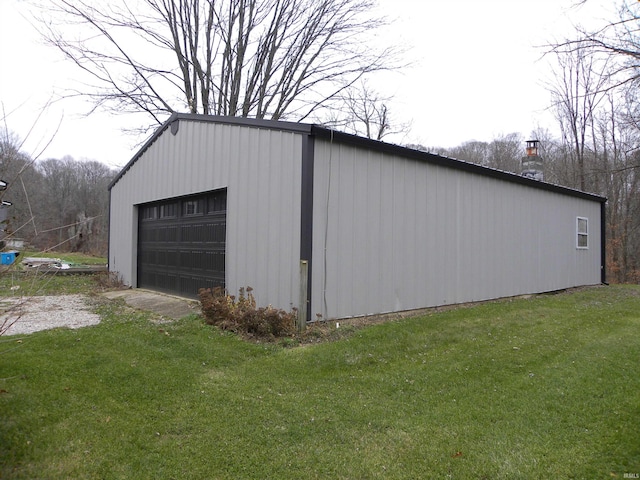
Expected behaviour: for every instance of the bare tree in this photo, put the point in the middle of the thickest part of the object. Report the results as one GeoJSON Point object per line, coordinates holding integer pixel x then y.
{"type": "Point", "coordinates": [251, 58]}
{"type": "Point", "coordinates": [22, 188]}
{"type": "Point", "coordinates": [553, 152]}
{"type": "Point", "coordinates": [503, 152]}
{"type": "Point", "coordinates": [506, 151]}
{"type": "Point", "coordinates": [618, 40]}
{"type": "Point", "coordinates": [363, 111]}
{"type": "Point", "coordinates": [73, 213]}
{"type": "Point", "coordinates": [594, 97]}
{"type": "Point", "coordinates": [617, 170]}
{"type": "Point", "coordinates": [473, 151]}
{"type": "Point", "coordinates": [577, 90]}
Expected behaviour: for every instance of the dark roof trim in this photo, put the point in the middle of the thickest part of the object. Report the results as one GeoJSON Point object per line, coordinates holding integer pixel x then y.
{"type": "Point", "coordinates": [341, 137]}
{"type": "Point", "coordinates": [361, 142]}
{"type": "Point", "coordinates": [193, 117]}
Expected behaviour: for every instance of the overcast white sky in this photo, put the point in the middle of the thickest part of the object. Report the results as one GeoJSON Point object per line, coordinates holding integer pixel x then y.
{"type": "Point", "coordinates": [477, 74]}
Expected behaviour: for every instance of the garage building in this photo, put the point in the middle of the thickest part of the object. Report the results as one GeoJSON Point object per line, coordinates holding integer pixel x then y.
{"type": "Point", "coordinates": [235, 202]}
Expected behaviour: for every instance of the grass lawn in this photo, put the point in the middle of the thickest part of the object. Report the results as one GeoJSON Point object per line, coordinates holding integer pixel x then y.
{"type": "Point", "coordinates": [17, 280]}
{"type": "Point", "coordinates": [73, 258]}
{"type": "Point", "coordinates": [15, 283]}
{"type": "Point", "coordinates": [539, 388]}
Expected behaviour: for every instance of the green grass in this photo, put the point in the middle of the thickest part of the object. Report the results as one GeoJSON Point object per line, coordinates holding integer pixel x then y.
{"type": "Point", "coordinates": [18, 283]}
{"type": "Point", "coordinates": [540, 388]}
{"type": "Point", "coordinates": [16, 280]}
{"type": "Point", "coordinates": [75, 258]}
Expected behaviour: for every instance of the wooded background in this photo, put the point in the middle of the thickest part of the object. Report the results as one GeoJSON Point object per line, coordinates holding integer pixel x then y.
{"type": "Point", "coordinates": [311, 60]}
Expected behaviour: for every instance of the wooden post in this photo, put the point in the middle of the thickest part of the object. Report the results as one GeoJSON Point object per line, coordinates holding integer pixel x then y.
{"type": "Point", "coordinates": [302, 308]}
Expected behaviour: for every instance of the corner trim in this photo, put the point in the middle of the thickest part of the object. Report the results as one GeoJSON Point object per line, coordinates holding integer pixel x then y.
{"type": "Point", "coordinates": [603, 243]}
{"type": "Point", "coordinates": [306, 211]}
{"type": "Point", "coordinates": [109, 235]}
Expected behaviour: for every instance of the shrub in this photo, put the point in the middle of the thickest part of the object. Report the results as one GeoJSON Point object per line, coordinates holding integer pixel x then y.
{"type": "Point", "coordinates": [109, 280]}
{"type": "Point", "coordinates": [240, 314]}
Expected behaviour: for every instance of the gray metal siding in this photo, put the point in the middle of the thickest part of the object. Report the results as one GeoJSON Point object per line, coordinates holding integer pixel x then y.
{"type": "Point", "coordinates": [260, 169]}
{"type": "Point", "coordinates": [404, 234]}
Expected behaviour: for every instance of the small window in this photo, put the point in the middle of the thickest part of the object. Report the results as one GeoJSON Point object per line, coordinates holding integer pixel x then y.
{"type": "Point", "coordinates": [148, 212]}
{"type": "Point", "coordinates": [192, 207]}
{"type": "Point", "coordinates": [168, 210]}
{"type": "Point", "coordinates": [582, 230]}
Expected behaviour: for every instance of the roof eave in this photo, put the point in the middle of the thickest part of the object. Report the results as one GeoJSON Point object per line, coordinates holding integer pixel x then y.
{"type": "Point", "coordinates": [362, 142]}
{"type": "Point", "coordinates": [448, 162]}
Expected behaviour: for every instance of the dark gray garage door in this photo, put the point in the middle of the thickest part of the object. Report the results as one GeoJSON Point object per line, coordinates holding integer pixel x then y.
{"type": "Point", "coordinates": [181, 243]}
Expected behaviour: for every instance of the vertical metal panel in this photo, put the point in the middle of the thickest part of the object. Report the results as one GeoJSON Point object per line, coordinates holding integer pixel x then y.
{"type": "Point", "coordinates": [260, 169]}
{"type": "Point", "coordinates": [375, 211]}
{"type": "Point", "coordinates": [402, 234]}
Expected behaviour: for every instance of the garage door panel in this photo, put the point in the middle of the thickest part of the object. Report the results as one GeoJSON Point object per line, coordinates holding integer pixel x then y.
{"type": "Point", "coordinates": [181, 244]}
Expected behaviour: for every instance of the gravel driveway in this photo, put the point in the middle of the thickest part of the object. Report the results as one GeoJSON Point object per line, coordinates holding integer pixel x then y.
{"type": "Point", "coordinates": [32, 314]}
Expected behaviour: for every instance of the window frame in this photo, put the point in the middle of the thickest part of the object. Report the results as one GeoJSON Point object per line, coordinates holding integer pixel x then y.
{"type": "Point", "coordinates": [582, 234]}
{"type": "Point", "coordinates": [192, 207]}
{"type": "Point", "coordinates": [168, 210]}
{"type": "Point", "coordinates": [149, 213]}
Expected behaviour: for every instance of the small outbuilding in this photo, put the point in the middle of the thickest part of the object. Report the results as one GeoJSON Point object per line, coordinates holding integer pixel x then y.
{"type": "Point", "coordinates": [339, 224]}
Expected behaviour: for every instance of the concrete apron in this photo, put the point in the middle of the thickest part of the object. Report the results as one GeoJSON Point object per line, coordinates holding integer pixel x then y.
{"type": "Point", "coordinates": [160, 303]}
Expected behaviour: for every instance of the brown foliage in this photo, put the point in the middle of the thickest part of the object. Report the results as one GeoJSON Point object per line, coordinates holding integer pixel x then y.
{"type": "Point", "coordinates": [241, 315]}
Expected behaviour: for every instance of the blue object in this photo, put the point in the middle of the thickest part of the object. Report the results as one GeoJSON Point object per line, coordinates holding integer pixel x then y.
{"type": "Point", "coordinates": [7, 258]}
